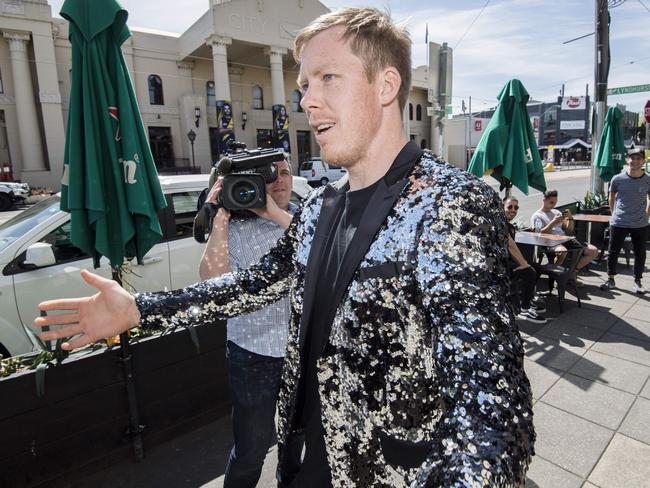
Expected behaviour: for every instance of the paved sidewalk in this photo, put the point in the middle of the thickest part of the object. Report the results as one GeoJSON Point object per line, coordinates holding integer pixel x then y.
{"type": "Point", "coordinates": [590, 372]}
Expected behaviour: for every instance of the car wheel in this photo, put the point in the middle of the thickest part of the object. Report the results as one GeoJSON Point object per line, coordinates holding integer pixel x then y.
{"type": "Point", "coordinates": [324, 181]}
{"type": "Point", "coordinates": [5, 202]}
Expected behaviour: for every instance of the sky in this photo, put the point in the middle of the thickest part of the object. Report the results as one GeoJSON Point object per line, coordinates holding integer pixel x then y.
{"type": "Point", "coordinates": [492, 41]}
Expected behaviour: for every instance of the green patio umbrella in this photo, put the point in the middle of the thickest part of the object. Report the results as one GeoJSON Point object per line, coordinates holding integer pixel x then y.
{"type": "Point", "coordinates": [610, 156]}
{"type": "Point", "coordinates": [507, 149]}
{"type": "Point", "coordinates": [110, 185]}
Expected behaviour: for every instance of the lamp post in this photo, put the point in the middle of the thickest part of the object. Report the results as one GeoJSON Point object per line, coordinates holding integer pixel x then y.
{"type": "Point", "coordinates": [191, 135]}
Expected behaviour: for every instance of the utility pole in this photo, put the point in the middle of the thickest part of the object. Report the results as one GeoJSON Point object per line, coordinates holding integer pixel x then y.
{"type": "Point", "coordinates": [601, 72]}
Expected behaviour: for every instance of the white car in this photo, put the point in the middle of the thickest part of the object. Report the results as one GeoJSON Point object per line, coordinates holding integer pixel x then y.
{"type": "Point", "coordinates": [11, 193]}
{"type": "Point", "coordinates": [39, 262]}
{"type": "Point", "coordinates": [319, 172]}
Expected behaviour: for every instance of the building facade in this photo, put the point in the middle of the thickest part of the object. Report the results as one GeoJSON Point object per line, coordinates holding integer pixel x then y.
{"type": "Point", "coordinates": [238, 54]}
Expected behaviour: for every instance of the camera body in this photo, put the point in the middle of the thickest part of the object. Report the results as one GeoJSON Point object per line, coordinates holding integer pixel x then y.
{"type": "Point", "coordinates": [245, 176]}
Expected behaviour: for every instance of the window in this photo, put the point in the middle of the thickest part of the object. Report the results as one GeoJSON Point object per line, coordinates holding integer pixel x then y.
{"type": "Point", "coordinates": [418, 112]}
{"type": "Point", "coordinates": [295, 101]}
{"type": "Point", "coordinates": [155, 90]}
{"type": "Point", "coordinates": [258, 98]}
{"type": "Point", "coordinates": [2, 90]}
{"type": "Point", "coordinates": [410, 111]}
{"type": "Point", "coordinates": [423, 144]}
{"type": "Point", "coordinates": [209, 94]}
{"type": "Point", "coordinates": [264, 138]}
{"type": "Point", "coordinates": [184, 213]}
{"type": "Point", "coordinates": [64, 250]}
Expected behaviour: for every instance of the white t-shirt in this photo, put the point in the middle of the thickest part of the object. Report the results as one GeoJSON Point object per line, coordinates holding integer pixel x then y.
{"type": "Point", "coordinates": [541, 219]}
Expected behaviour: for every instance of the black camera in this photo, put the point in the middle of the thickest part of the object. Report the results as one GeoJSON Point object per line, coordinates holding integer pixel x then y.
{"type": "Point", "coordinates": [245, 176]}
{"type": "Point", "coordinates": [246, 172]}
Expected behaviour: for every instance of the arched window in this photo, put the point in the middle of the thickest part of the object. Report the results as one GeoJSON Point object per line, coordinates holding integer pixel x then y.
{"type": "Point", "coordinates": [155, 90]}
{"type": "Point", "coordinates": [295, 101]}
{"type": "Point", "coordinates": [410, 111]}
{"type": "Point", "coordinates": [209, 94]}
{"type": "Point", "coordinates": [258, 98]}
{"type": "Point", "coordinates": [418, 112]}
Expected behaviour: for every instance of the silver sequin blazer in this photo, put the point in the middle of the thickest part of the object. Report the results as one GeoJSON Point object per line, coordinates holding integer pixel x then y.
{"type": "Point", "coordinates": [421, 382]}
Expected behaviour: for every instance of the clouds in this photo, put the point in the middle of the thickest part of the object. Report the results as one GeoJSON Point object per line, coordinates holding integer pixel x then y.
{"type": "Point", "coordinates": [511, 39]}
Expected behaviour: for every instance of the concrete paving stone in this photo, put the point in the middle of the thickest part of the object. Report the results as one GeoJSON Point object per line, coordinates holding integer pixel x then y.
{"type": "Point", "coordinates": [550, 352]}
{"type": "Point", "coordinates": [589, 485]}
{"type": "Point", "coordinates": [572, 334]}
{"type": "Point", "coordinates": [639, 312]}
{"type": "Point", "coordinates": [623, 347]}
{"type": "Point", "coordinates": [543, 474]}
{"type": "Point", "coordinates": [598, 319]}
{"type": "Point", "coordinates": [637, 422]}
{"type": "Point", "coordinates": [646, 390]}
{"type": "Point", "coordinates": [541, 377]}
{"type": "Point", "coordinates": [627, 326]}
{"type": "Point", "coordinates": [624, 464]}
{"type": "Point", "coordinates": [616, 307]}
{"type": "Point", "coordinates": [611, 371]}
{"type": "Point", "coordinates": [529, 328]}
{"type": "Point", "coordinates": [590, 400]}
{"type": "Point", "coordinates": [568, 441]}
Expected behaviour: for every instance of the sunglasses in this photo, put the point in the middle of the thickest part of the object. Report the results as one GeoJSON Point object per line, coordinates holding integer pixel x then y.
{"type": "Point", "coordinates": [511, 207]}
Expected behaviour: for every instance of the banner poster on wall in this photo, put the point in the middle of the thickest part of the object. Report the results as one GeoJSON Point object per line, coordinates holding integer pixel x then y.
{"type": "Point", "coordinates": [281, 128]}
{"type": "Point", "coordinates": [226, 124]}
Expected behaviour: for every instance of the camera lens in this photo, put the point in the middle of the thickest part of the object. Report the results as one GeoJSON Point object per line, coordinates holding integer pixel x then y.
{"type": "Point", "coordinates": [243, 193]}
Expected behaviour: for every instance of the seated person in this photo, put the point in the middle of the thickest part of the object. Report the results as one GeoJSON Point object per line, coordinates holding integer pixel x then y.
{"type": "Point", "coordinates": [550, 221]}
{"type": "Point", "coordinates": [521, 272]}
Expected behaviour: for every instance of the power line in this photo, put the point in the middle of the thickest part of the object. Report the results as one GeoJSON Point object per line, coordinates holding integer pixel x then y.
{"type": "Point", "coordinates": [470, 25]}
{"type": "Point", "coordinates": [644, 6]}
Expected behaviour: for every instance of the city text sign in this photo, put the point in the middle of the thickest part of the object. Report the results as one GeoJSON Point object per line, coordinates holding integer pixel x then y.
{"type": "Point", "coordinates": [623, 90]}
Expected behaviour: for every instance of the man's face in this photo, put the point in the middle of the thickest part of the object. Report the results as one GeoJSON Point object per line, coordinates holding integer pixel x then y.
{"type": "Point", "coordinates": [550, 203]}
{"type": "Point", "coordinates": [511, 207]}
{"type": "Point", "coordinates": [344, 109]}
{"type": "Point", "coordinates": [280, 189]}
{"type": "Point", "coordinates": [635, 161]}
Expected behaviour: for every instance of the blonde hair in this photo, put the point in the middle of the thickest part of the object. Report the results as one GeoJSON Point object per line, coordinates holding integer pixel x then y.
{"type": "Point", "coordinates": [374, 38]}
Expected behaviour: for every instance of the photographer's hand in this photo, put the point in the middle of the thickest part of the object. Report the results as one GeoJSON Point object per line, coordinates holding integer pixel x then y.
{"type": "Point", "coordinates": [274, 213]}
{"type": "Point", "coordinates": [215, 260]}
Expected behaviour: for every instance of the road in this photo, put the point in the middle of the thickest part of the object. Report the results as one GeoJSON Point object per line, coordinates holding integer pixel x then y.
{"type": "Point", "coordinates": [571, 186]}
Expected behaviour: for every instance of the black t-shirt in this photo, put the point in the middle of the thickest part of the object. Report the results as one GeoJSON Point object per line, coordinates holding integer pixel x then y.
{"type": "Point", "coordinates": [315, 471]}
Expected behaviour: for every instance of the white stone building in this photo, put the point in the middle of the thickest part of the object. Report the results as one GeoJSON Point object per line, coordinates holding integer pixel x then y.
{"type": "Point", "coordinates": [239, 50]}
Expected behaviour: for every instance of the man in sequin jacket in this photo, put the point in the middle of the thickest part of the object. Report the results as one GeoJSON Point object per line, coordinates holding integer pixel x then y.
{"type": "Point", "coordinates": [403, 363]}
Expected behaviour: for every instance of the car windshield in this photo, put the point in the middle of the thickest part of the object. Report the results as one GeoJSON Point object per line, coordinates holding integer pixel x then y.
{"type": "Point", "coordinates": [17, 226]}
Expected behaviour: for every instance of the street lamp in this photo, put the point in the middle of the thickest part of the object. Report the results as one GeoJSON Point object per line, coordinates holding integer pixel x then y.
{"type": "Point", "coordinates": [191, 135]}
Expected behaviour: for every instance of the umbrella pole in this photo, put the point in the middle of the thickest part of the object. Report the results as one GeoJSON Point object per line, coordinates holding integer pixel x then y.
{"type": "Point", "coordinates": [134, 429]}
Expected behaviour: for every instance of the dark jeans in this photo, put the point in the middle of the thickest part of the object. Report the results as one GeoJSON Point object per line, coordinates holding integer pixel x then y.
{"type": "Point", "coordinates": [617, 237]}
{"type": "Point", "coordinates": [525, 280]}
{"type": "Point", "coordinates": [254, 386]}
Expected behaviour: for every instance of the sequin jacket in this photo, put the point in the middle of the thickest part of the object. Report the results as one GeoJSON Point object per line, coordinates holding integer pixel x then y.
{"type": "Point", "coordinates": [421, 382]}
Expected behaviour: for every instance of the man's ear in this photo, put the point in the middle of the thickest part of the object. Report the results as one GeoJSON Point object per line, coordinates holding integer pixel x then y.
{"type": "Point", "coordinates": [391, 81]}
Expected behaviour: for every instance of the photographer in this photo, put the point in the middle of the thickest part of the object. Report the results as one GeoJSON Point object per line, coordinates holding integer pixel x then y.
{"type": "Point", "coordinates": [256, 341]}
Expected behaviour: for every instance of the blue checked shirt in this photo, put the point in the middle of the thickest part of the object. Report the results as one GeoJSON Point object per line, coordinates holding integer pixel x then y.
{"type": "Point", "coordinates": [265, 331]}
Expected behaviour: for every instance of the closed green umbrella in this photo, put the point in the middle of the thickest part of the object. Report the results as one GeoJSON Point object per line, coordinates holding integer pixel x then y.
{"type": "Point", "coordinates": [507, 150]}
{"type": "Point", "coordinates": [110, 184]}
{"type": "Point", "coordinates": [610, 156]}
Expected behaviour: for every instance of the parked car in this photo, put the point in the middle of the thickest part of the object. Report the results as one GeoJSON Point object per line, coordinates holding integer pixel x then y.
{"type": "Point", "coordinates": [39, 261]}
{"type": "Point", "coordinates": [319, 172]}
{"type": "Point", "coordinates": [11, 194]}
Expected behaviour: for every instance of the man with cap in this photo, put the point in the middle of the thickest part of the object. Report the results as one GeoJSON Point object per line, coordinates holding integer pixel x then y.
{"type": "Point", "coordinates": [629, 200]}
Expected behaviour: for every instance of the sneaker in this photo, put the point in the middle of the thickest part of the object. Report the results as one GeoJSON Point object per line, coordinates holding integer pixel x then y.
{"type": "Point", "coordinates": [539, 307]}
{"type": "Point", "coordinates": [638, 287]}
{"type": "Point", "coordinates": [610, 284]}
{"type": "Point", "coordinates": [532, 316]}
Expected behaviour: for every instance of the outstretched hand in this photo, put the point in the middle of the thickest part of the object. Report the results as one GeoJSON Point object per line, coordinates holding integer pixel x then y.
{"type": "Point", "coordinates": [107, 313]}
